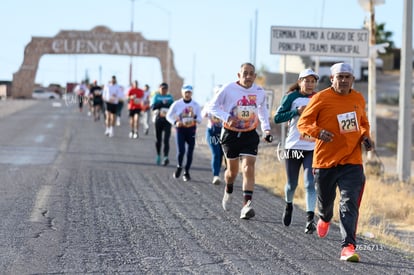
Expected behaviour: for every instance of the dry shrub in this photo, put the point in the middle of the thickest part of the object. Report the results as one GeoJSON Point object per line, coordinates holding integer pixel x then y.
{"type": "Point", "coordinates": [269, 170]}
{"type": "Point", "coordinates": [374, 168]}
{"type": "Point", "coordinates": [392, 201]}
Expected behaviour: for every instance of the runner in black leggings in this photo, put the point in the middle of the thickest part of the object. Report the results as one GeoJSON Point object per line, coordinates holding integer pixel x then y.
{"type": "Point", "coordinates": [160, 104]}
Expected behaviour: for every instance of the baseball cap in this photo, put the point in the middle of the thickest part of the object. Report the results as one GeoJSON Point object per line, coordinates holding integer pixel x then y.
{"type": "Point", "coordinates": [164, 85]}
{"type": "Point", "coordinates": [341, 68]}
{"type": "Point", "coordinates": [308, 72]}
{"type": "Point", "coordinates": [187, 88]}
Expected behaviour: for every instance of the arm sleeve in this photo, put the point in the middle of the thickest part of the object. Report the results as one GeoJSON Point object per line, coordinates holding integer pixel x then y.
{"type": "Point", "coordinates": [215, 107]}
{"type": "Point", "coordinates": [120, 93]}
{"type": "Point", "coordinates": [155, 104]}
{"type": "Point", "coordinates": [171, 116]}
{"type": "Point", "coordinates": [284, 112]}
{"type": "Point", "coordinates": [198, 113]}
{"type": "Point", "coordinates": [105, 94]}
{"type": "Point", "coordinates": [264, 116]}
{"type": "Point", "coordinates": [204, 111]}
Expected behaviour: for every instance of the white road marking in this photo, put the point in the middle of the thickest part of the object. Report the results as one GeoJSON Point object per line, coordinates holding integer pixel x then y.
{"type": "Point", "coordinates": [40, 203]}
{"type": "Point", "coordinates": [39, 138]}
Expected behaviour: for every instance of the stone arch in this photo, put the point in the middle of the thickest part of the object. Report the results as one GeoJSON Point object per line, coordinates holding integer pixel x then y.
{"type": "Point", "coordinates": [100, 40]}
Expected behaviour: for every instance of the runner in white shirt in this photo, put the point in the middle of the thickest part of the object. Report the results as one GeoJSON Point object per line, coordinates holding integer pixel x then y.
{"type": "Point", "coordinates": [185, 114]}
{"type": "Point", "coordinates": [241, 105]}
{"type": "Point", "coordinates": [81, 90]}
{"type": "Point", "coordinates": [111, 94]}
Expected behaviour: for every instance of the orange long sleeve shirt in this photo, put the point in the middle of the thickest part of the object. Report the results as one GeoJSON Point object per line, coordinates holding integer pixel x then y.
{"type": "Point", "coordinates": [342, 115]}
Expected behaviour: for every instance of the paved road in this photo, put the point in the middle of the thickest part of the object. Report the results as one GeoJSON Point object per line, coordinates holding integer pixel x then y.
{"type": "Point", "coordinates": [76, 202]}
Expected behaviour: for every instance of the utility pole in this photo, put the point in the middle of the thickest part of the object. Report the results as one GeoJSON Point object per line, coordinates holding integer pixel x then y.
{"type": "Point", "coordinates": [100, 74]}
{"type": "Point", "coordinates": [372, 76]}
{"type": "Point", "coordinates": [369, 5]}
{"type": "Point", "coordinates": [132, 30]}
{"type": "Point", "coordinates": [406, 75]}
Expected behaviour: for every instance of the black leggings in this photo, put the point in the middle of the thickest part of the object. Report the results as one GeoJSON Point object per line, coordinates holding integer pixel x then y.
{"type": "Point", "coordinates": [162, 125]}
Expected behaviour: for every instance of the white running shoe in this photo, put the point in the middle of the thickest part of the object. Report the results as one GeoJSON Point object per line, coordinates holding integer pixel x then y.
{"type": "Point", "coordinates": [111, 132]}
{"type": "Point", "coordinates": [118, 121]}
{"type": "Point", "coordinates": [135, 135]}
{"type": "Point", "coordinates": [216, 180]}
{"type": "Point", "coordinates": [131, 134]}
{"type": "Point", "coordinates": [226, 200]}
{"type": "Point", "coordinates": [247, 211]}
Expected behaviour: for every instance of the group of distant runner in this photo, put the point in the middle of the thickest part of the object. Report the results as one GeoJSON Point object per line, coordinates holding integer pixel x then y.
{"type": "Point", "coordinates": [108, 101]}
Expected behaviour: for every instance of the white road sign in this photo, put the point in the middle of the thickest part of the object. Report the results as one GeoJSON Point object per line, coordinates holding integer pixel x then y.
{"type": "Point", "coordinates": [319, 41]}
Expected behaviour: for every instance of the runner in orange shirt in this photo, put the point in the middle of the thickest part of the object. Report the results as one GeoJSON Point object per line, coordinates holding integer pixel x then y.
{"type": "Point", "coordinates": [336, 117]}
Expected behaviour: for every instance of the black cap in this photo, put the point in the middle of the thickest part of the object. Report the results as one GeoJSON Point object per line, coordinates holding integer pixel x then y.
{"type": "Point", "coordinates": [164, 85]}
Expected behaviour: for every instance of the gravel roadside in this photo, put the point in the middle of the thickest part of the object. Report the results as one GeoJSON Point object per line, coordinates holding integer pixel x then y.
{"type": "Point", "coordinates": [10, 106]}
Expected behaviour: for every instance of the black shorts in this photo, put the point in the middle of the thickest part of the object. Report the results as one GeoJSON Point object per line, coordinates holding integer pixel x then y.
{"type": "Point", "coordinates": [97, 102]}
{"type": "Point", "coordinates": [111, 107]}
{"type": "Point", "coordinates": [134, 111]}
{"type": "Point", "coordinates": [236, 144]}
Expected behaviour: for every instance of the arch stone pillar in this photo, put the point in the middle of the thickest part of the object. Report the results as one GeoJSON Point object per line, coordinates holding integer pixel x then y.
{"type": "Point", "coordinates": [99, 40]}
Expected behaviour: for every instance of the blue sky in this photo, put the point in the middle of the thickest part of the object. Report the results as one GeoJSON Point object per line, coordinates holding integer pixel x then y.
{"type": "Point", "coordinates": [210, 39]}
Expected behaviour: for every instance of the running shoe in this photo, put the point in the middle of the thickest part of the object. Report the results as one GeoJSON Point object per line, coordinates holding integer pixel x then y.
{"type": "Point", "coordinates": [107, 131]}
{"type": "Point", "coordinates": [310, 227]}
{"type": "Point", "coordinates": [348, 254]}
{"type": "Point", "coordinates": [186, 176]}
{"type": "Point", "coordinates": [216, 180]}
{"type": "Point", "coordinates": [247, 211]}
{"type": "Point", "coordinates": [165, 161]}
{"type": "Point", "coordinates": [287, 214]}
{"type": "Point", "coordinates": [135, 135]}
{"type": "Point", "coordinates": [322, 228]}
{"type": "Point", "coordinates": [131, 134]}
{"type": "Point", "coordinates": [158, 160]}
{"type": "Point", "coordinates": [118, 121]}
{"type": "Point", "coordinates": [146, 131]}
{"type": "Point", "coordinates": [111, 132]}
{"type": "Point", "coordinates": [226, 200]}
{"type": "Point", "coordinates": [177, 172]}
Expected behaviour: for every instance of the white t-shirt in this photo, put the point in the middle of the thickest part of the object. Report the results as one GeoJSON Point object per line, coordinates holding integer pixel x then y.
{"type": "Point", "coordinates": [188, 113]}
{"type": "Point", "coordinates": [248, 106]}
{"type": "Point", "coordinates": [112, 93]}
